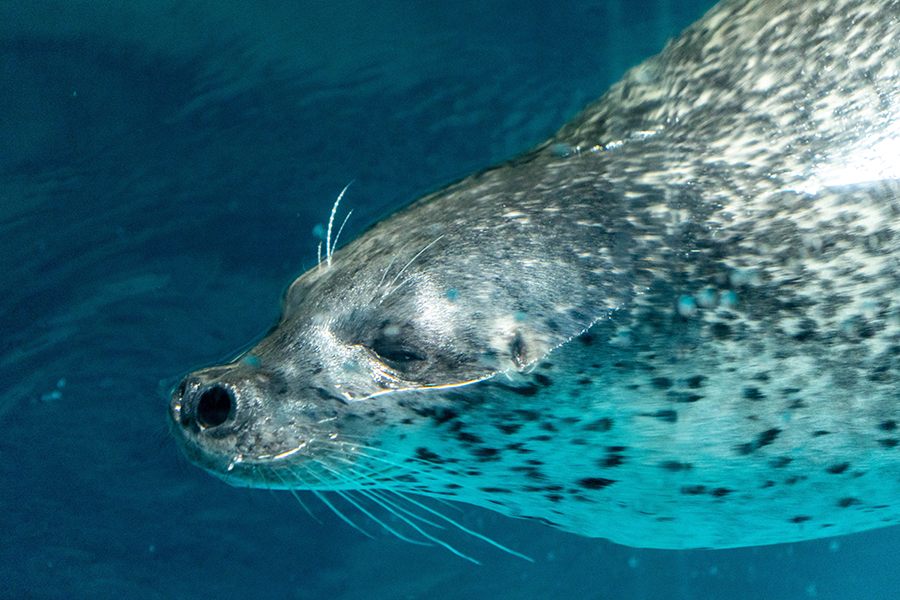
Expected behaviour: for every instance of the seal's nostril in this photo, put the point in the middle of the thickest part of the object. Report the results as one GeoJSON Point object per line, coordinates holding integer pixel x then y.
{"type": "Point", "coordinates": [214, 407]}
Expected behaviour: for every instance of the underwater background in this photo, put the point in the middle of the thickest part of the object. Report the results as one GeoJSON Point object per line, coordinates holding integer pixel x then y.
{"type": "Point", "coordinates": [165, 171]}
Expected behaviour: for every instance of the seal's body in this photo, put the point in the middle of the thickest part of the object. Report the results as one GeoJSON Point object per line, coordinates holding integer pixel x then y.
{"type": "Point", "coordinates": [675, 324]}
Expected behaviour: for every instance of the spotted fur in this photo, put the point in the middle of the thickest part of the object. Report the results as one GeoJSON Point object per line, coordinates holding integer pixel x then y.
{"type": "Point", "coordinates": [675, 324]}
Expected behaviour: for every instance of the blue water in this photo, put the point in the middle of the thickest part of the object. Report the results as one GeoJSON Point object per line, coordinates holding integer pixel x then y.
{"type": "Point", "coordinates": [163, 167]}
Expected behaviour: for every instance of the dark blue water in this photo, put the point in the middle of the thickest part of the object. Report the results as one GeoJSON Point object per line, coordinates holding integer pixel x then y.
{"type": "Point", "coordinates": [163, 166]}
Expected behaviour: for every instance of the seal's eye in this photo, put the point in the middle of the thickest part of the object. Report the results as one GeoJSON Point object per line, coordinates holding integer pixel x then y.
{"type": "Point", "coordinates": [394, 353]}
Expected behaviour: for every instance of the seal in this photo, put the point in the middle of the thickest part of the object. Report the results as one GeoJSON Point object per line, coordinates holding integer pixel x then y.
{"type": "Point", "coordinates": [675, 324]}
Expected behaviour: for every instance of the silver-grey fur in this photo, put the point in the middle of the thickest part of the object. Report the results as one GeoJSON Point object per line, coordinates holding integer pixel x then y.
{"type": "Point", "coordinates": [675, 324]}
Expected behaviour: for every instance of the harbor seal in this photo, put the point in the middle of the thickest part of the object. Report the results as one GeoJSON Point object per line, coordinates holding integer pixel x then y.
{"type": "Point", "coordinates": [675, 324]}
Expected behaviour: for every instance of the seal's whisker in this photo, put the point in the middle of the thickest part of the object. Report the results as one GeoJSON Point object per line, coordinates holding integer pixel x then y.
{"type": "Point", "coordinates": [396, 509]}
{"type": "Point", "coordinates": [328, 246]}
{"type": "Point", "coordinates": [394, 289]}
{"type": "Point", "coordinates": [334, 509]}
{"type": "Point", "coordinates": [387, 269]}
{"type": "Point", "coordinates": [344, 518]}
{"type": "Point", "coordinates": [340, 229]}
{"type": "Point", "coordinates": [462, 527]}
{"type": "Point", "coordinates": [295, 495]}
{"type": "Point", "coordinates": [399, 515]}
{"type": "Point", "coordinates": [346, 496]}
{"type": "Point", "coordinates": [406, 266]}
{"type": "Point", "coordinates": [383, 496]}
{"type": "Point", "coordinates": [303, 504]}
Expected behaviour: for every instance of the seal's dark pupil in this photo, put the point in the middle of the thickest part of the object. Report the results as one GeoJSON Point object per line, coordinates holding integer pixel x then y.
{"type": "Point", "coordinates": [214, 407]}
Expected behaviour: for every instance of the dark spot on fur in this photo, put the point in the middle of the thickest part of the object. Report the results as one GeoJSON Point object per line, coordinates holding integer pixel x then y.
{"type": "Point", "coordinates": [669, 416]}
{"type": "Point", "coordinates": [518, 350]}
{"type": "Point", "coordinates": [683, 398]}
{"type": "Point", "coordinates": [543, 379]}
{"type": "Point", "coordinates": [767, 484]}
{"type": "Point", "coordinates": [541, 438]}
{"type": "Point", "coordinates": [693, 490]}
{"type": "Point", "coordinates": [554, 497]}
{"type": "Point", "coordinates": [406, 421]}
{"type": "Point", "coordinates": [720, 331]}
{"type": "Point", "coordinates": [696, 381]}
{"type": "Point", "coordinates": [452, 486]}
{"type": "Point", "coordinates": [586, 338]}
{"type": "Point", "coordinates": [486, 454]}
{"type": "Point", "coordinates": [595, 483]}
{"type": "Point", "coordinates": [661, 383]}
{"type": "Point", "coordinates": [888, 425]}
{"type": "Point", "coordinates": [518, 447]}
{"type": "Point", "coordinates": [838, 468]}
{"type": "Point", "coordinates": [752, 393]}
{"type": "Point", "coordinates": [780, 462]}
{"type": "Point", "coordinates": [584, 381]}
{"type": "Point", "coordinates": [427, 455]}
{"type": "Point", "coordinates": [616, 448]}
{"type": "Point", "coordinates": [509, 428]}
{"type": "Point", "coordinates": [674, 465]}
{"type": "Point", "coordinates": [613, 458]}
{"type": "Point", "coordinates": [820, 433]}
{"type": "Point", "coordinates": [744, 449]}
{"type": "Point", "coordinates": [720, 492]}
{"type": "Point", "coordinates": [531, 473]}
{"type": "Point", "coordinates": [763, 439]}
{"type": "Point", "coordinates": [439, 415]}
{"type": "Point", "coordinates": [800, 519]}
{"type": "Point", "coordinates": [767, 437]}
{"type": "Point", "coordinates": [847, 502]}
{"type": "Point", "coordinates": [795, 479]}
{"type": "Point", "coordinates": [495, 490]}
{"type": "Point", "coordinates": [541, 488]}
{"type": "Point", "coordinates": [604, 424]}
{"type": "Point", "coordinates": [548, 426]}
{"type": "Point", "coordinates": [528, 415]}
{"type": "Point", "coordinates": [469, 438]}
{"type": "Point", "coordinates": [807, 331]}
{"type": "Point", "coordinates": [889, 442]}
{"type": "Point", "coordinates": [525, 390]}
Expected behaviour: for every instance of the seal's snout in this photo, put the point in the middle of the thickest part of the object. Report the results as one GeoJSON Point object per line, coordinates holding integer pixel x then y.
{"type": "Point", "coordinates": [196, 407]}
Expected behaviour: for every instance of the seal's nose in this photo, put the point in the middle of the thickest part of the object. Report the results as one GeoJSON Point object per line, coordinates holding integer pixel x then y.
{"type": "Point", "coordinates": [197, 407]}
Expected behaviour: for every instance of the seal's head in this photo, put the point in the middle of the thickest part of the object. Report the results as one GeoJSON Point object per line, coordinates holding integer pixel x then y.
{"type": "Point", "coordinates": [373, 342]}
